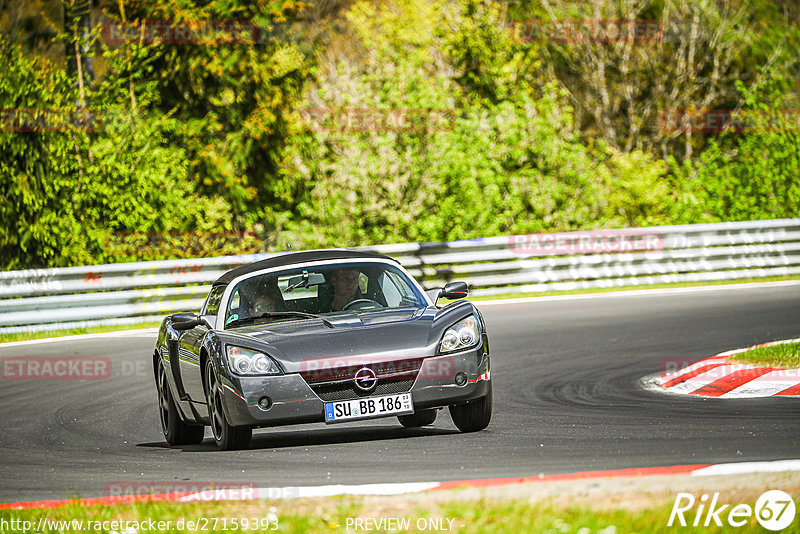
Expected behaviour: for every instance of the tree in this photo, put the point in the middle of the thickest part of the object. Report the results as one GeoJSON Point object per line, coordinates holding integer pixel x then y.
{"type": "Point", "coordinates": [750, 173]}
{"type": "Point", "coordinates": [74, 176]}
{"type": "Point", "coordinates": [39, 222]}
{"type": "Point", "coordinates": [621, 87]}
{"type": "Point", "coordinates": [230, 73]}
{"type": "Point", "coordinates": [493, 153]}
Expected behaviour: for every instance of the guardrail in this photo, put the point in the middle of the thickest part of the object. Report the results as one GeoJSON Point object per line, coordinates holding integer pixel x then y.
{"type": "Point", "coordinates": [128, 293]}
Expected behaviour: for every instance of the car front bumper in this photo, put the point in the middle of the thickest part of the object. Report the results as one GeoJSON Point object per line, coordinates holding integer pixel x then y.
{"type": "Point", "coordinates": [294, 402]}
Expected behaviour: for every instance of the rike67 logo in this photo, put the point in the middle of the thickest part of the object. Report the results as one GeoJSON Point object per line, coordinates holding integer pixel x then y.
{"type": "Point", "coordinates": [774, 510]}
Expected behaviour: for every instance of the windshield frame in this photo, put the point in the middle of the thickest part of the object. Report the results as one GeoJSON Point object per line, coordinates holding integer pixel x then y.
{"type": "Point", "coordinates": [233, 284]}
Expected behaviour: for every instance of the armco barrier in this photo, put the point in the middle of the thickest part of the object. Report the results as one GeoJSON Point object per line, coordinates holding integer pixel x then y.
{"type": "Point", "coordinates": [127, 293]}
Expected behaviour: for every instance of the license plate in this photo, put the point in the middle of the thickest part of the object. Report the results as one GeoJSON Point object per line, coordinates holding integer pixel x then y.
{"type": "Point", "coordinates": [368, 408]}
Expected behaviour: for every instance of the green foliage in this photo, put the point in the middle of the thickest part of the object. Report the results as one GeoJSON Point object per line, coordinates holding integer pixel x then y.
{"type": "Point", "coordinates": [360, 122]}
{"type": "Point", "coordinates": [38, 220]}
{"type": "Point", "coordinates": [635, 191]}
{"type": "Point", "coordinates": [231, 96]}
{"type": "Point", "coordinates": [749, 174]}
{"type": "Point", "coordinates": [69, 187]}
{"type": "Point", "coordinates": [507, 161]}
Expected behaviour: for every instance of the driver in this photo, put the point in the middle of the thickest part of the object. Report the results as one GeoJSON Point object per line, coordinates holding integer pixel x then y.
{"type": "Point", "coordinates": [260, 304]}
{"type": "Point", "coordinates": [345, 284]}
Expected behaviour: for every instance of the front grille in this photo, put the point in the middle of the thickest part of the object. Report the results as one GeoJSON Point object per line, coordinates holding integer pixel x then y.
{"type": "Point", "coordinates": [339, 391]}
{"type": "Point", "coordinates": [337, 384]}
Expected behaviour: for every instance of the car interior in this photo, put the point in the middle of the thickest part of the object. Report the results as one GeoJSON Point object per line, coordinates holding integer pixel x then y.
{"type": "Point", "coordinates": [317, 295]}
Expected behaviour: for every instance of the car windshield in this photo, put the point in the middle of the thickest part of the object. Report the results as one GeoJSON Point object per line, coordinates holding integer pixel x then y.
{"type": "Point", "coordinates": [305, 292]}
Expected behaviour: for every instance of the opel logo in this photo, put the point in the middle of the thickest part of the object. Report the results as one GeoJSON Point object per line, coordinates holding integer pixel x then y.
{"type": "Point", "coordinates": [365, 379]}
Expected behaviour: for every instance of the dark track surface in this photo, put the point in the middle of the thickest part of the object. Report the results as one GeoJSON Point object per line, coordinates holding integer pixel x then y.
{"type": "Point", "coordinates": [566, 389]}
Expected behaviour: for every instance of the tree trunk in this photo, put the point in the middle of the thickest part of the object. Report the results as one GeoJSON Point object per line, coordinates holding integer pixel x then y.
{"type": "Point", "coordinates": [77, 23]}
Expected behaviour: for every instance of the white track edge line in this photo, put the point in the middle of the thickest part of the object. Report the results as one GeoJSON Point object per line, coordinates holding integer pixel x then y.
{"type": "Point", "coordinates": [743, 468]}
{"type": "Point", "coordinates": [78, 337]}
{"type": "Point", "coordinates": [389, 489]}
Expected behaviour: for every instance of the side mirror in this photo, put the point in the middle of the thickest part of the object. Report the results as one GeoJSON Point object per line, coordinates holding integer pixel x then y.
{"type": "Point", "coordinates": [455, 290]}
{"type": "Point", "coordinates": [433, 294]}
{"type": "Point", "coordinates": [185, 320]}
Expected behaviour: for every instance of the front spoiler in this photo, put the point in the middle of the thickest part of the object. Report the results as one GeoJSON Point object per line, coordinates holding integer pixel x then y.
{"type": "Point", "coordinates": [294, 402]}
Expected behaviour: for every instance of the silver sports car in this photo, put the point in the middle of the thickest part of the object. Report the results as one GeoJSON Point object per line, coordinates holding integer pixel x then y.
{"type": "Point", "coordinates": [325, 336]}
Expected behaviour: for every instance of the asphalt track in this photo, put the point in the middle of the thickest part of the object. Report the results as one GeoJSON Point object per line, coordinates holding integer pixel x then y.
{"type": "Point", "coordinates": [567, 398]}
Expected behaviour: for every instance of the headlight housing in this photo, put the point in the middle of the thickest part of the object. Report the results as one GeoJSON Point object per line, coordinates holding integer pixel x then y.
{"type": "Point", "coordinates": [250, 362]}
{"type": "Point", "coordinates": [462, 335]}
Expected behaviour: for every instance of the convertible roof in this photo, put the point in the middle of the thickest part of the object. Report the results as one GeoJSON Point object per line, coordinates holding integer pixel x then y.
{"type": "Point", "coordinates": [292, 258]}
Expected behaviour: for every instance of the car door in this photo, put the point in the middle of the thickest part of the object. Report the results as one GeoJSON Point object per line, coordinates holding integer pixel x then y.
{"type": "Point", "coordinates": [190, 344]}
{"type": "Point", "coordinates": [191, 373]}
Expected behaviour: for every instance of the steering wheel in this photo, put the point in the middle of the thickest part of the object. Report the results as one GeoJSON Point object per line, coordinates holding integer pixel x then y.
{"type": "Point", "coordinates": [361, 304]}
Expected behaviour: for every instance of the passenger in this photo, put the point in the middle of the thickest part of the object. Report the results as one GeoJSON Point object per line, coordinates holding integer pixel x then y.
{"type": "Point", "coordinates": [345, 284]}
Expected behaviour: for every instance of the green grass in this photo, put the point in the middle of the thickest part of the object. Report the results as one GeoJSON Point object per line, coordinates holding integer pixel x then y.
{"type": "Point", "coordinates": [515, 516]}
{"type": "Point", "coordinates": [783, 355]}
{"type": "Point", "coordinates": [24, 336]}
{"type": "Point", "coordinates": [335, 515]}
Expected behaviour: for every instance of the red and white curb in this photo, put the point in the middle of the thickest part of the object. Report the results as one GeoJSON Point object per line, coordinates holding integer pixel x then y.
{"type": "Point", "coordinates": [301, 492]}
{"type": "Point", "coordinates": [719, 376]}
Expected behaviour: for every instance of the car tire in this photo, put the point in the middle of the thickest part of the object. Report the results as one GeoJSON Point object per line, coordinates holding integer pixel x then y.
{"type": "Point", "coordinates": [474, 415]}
{"type": "Point", "coordinates": [175, 430]}
{"type": "Point", "coordinates": [227, 437]}
{"type": "Point", "coordinates": [418, 419]}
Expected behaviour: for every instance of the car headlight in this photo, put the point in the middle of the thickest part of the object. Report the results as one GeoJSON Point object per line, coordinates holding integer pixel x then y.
{"type": "Point", "coordinates": [462, 335]}
{"type": "Point", "coordinates": [250, 362]}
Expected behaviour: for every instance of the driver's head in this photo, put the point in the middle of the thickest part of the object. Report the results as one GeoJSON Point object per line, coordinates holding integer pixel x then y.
{"type": "Point", "coordinates": [345, 282]}
{"type": "Point", "coordinates": [261, 303]}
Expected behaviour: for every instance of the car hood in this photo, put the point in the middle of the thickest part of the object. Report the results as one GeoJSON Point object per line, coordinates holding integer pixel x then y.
{"type": "Point", "coordinates": [351, 339]}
